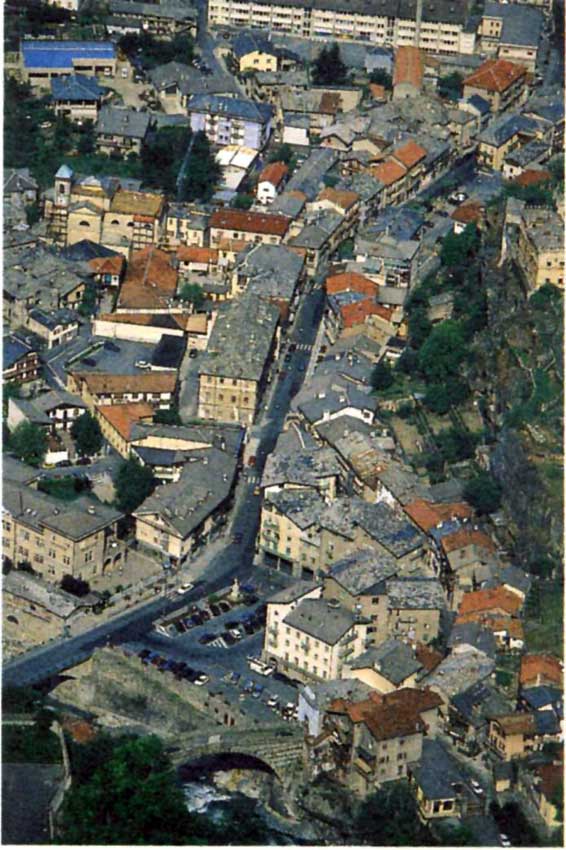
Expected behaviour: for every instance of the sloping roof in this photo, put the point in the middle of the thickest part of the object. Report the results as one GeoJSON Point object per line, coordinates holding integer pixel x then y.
{"type": "Point", "coordinates": [409, 66]}
{"type": "Point", "coordinates": [252, 42]}
{"type": "Point", "coordinates": [495, 75]}
{"type": "Point", "coordinates": [196, 254]}
{"type": "Point", "coordinates": [316, 618]}
{"type": "Point", "coordinates": [388, 172]}
{"type": "Point", "coordinates": [60, 54]}
{"type": "Point", "coordinates": [341, 197]}
{"type": "Point", "coordinates": [519, 723]}
{"type": "Point", "coordinates": [357, 313]}
{"type": "Point", "coordinates": [129, 123]}
{"type": "Point", "coordinates": [19, 180]}
{"type": "Point", "coordinates": [150, 282]}
{"type": "Point", "coordinates": [409, 154]}
{"type": "Point", "coordinates": [148, 382]}
{"type": "Point", "coordinates": [273, 173]}
{"type": "Point", "coordinates": [392, 715]}
{"type": "Point", "coordinates": [350, 281]}
{"type": "Point", "coordinates": [108, 265]}
{"type": "Point", "coordinates": [394, 660]}
{"type": "Point", "coordinates": [467, 537]}
{"type": "Point", "coordinates": [489, 600]}
{"type": "Point", "coordinates": [427, 515]}
{"type": "Point", "coordinates": [532, 177]}
{"type": "Point", "coordinates": [140, 203]}
{"type": "Point", "coordinates": [123, 417]}
{"type": "Point", "coordinates": [541, 667]}
{"type": "Point", "coordinates": [249, 222]}
{"type": "Point", "coordinates": [233, 107]}
{"type": "Point", "coordinates": [470, 212]}
{"type": "Point", "coordinates": [77, 87]}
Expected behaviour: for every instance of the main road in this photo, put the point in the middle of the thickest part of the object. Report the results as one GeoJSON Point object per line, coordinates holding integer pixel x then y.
{"type": "Point", "coordinates": [233, 560]}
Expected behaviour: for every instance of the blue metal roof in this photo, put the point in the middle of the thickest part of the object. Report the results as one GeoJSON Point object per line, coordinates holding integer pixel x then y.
{"type": "Point", "coordinates": [77, 87]}
{"type": "Point", "coordinates": [60, 54]}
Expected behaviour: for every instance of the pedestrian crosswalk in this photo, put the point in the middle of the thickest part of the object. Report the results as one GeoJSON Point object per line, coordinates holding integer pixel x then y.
{"type": "Point", "coordinates": [218, 642]}
{"type": "Point", "coordinates": [253, 478]}
{"type": "Point", "coordinates": [304, 346]}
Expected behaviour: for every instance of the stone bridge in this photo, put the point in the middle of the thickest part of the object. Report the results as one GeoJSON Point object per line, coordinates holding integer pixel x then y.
{"type": "Point", "coordinates": [279, 746]}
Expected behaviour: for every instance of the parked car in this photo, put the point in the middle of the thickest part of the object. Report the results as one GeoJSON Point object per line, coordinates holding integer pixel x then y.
{"type": "Point", "coordinates": [193, 352]}
{"type": "Point", "coordinates": [281, 677]}
{"type": "Point", "coordinates": [273, 701]}
{"type": "Point", "coordinates": [251, 599]}
{"type": "Point", "coordinates": [292, 346]}
{"type": "Point", "coordinates": [224, 606]}
{"type": "Point", "coordinates": [215, 610]}
{"type": "Point", "coordinates": [249, 686]}
{"type": "Point", "coordinates": [231, 624]}
{"type": "Point", "coordinates": [62, 464]}
{"type": "Point", "coordinates": [184, 588]}
{"type": "Point", "coordinates": [237, 538]}
{"type": "Point", "coordinates": [207, 638]}
{"type": "Point", "coordinates": [236, 634]}
{"type": "Point", "coordinates": [504, 840]}
{"type": "Point", "coordinates": [84, 461]}
{"type": "Point", "coordinates": [476, 787]}
{"type": "Point", "coordinates": [188, 673]}
{"type": "Point", "coordinates": [197, 619]}
{"type": "Point", "coordinates": [248, 628]}
{"type": "Point", "coordinates": [234, 677]}
{"type": "Point", "coordinates": [228, 638]}
{"type": "Point", "coordinates": [257, 691]}
{"type": "Point", "coordinates": [144, 653]}
{"type": "Point", "coordinates": [206, 615]}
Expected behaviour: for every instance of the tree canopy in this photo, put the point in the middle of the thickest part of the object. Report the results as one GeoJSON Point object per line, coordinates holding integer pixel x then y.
{"type": "Point", "coordinates": [28, 442]}
{"type": "Point", "coordinates": [163, 156]}
{"type": "Point", "coordinates": [483, 493]}
{"type": "Point", "coordinates": [390, 817]}
{"type": "Point", "coordinates": [193, 294]}
{"type": "Point", "coordinates": [444, 352]}
{"type": "Point", "coordinates": [381, 78]}
{"type": "Point", "coordinates": [328, 67]}
{"type": "Point", "coordinates": [202, 171]}
{"type": "Point", "coordinates": [456, 248]}
{"type": "Point", "coordinates": [133, 483]}
{"type": "Point", "coordinates": [86, 433]}
{"type": "Point", "coordinates": [382, 376]}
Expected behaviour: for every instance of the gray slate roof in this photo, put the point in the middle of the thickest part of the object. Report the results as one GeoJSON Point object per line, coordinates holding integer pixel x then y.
{"type": "Point", "coordinates": [272, 270]}
{"type": "Point", "coordinates": [19, 180]}
{"type": "Point", "coordinates": [114, 121]}
{"type": "Point", "coordinates": [416, 594]}
{"type": "Point", "coordinates": [241, 339]}
{"type": "Point", "coordinates": [438, 771]}
{"type": "Point", "coordinates": [522, 25]}
{"type": "Point", "coordinates": [394, 660]}
{"type": "Point", "coordinates": [320, 621]}
{"type": "Point", "coordinates": [364, 571]}
{"type": "Point", "coordinates": [35, 590]}
{"type": "Point", "coordinates": [232, 107]}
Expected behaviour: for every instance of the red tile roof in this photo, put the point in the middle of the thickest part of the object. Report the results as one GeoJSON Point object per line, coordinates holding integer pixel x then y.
{"type": "Point", "coordinates": [429, 658]}
{"type": "Point", "coordinates": [249, 222]}
{"type": "Point", "coordinates": [491, 600]}
{"type": "Point", "coordinates": [532, 177]}
{"type": "Point", "coordinates": [123, 416]}
{"type": "Point", "coordinates": [107, 265]}
{"type": "Point", "coordinates": [519, 723]}
{"type": "Point", "coordinates": [495, 75]}
{"type": "Point", "coordinates": [377, 92]}
{"type": "Point", "coordinates": [468, 212]}
{"type": "Point", "coordinates": [274, 173]}
{"type": "Point", "coordinates": [409, 67]}
{"type": "Point", "coordinates": [351, 282]}
{"type": "Point", "coordinates": [196, 254]}
{"type": "Point", "coordinates": [409, 154]}
{"type": "Point", "coordinates": [150, 282]}
{"type": "Point", "coordinates": [388, 172]}
{"type": "Point", "coordinates": [467, 537]}
{"type": "Point", "coordinates": [428, 514]}
{"type": "Point", "coordinates": [541, 669]}
{"type": "Point", "coordinates": [355, 314]}
{"type": "Point", "coordinates": [390, 715]}
{"type": "Point", "coordinates": [341, 197]}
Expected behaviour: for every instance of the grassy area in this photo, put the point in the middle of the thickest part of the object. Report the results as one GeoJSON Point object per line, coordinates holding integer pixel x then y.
{"type": "Point", "coordinates": [30, 744]}
{"type": "Point", "coordinates": [544, 620]}
{"type": "Point", "coordinates": [67, 489]}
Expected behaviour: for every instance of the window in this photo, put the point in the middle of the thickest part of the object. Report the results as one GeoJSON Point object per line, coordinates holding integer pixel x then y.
{"type": "Point", "coordinates": [84, 223]}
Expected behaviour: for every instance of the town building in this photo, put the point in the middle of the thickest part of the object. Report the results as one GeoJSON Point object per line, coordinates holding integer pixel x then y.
{"type": "Point", "coordinates": [77, 97]}
{"type": "Point", "coordinates": [182, 516]}
{"type": "Point", "coordinates": [55, 410]}
{"type": "Point", "coordinates": [56, 327]}
{"type": "Point", "coordinates": [164, 19]}
{"type": "Point", "coordinates": [233, 373]}
{"type": "Point", "coordinates": [117, 422]}
{"type": "Point", "coordinates": [20, 362]}
{"type": "Point", "coordinates": [42, 61]}
{"type": "Point", "coordinates": [501, 82]}
{"type": "Point", "coordinates": [231, 120]}
{"type": "Point", "coordinates": [540, 247]}
{"type": "Point", "coordinates": [254, 52]}
{"type": "Point", "coordinates": [78, 539]}
{"type": "Point", "coordinates": [97, 388]}
{"type": "Point", "coordinates": [270, 182]}
{"type": "Point", "coordinates": [442, 784]}
{"type": "Point", "coordinates": [121, 131]}
{"type": "Point", "coordinates": [511, 32]}
{"type": "Point", "coordinates": [439, 27]}
{"type": "Point", "coordinates": [227, 224]}
{"type": "Point", "coordinates": [408, 72]}
{"type": "Point", "coordinates": [150, 284]}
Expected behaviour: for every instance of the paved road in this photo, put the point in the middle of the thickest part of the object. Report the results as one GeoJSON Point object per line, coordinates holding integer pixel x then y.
{"type": "Point", "coordinates": [231, 561]}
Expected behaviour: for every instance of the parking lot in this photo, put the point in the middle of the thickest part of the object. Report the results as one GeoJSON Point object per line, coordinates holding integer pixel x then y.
{"type": "Point", "coordinates": [221, 663]}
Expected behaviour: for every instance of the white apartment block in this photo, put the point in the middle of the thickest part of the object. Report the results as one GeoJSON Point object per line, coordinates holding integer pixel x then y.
{"type": "Point", "coordinates": [437, 26]}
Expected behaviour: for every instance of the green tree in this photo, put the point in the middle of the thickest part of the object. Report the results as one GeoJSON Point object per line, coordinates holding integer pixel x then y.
{"type": "Point", "coordinates": [193, 294]}
{"type": "Point", "coordinates": [74, 586]}
{"type": "Point", "coordinates": [456, 248]}
{"type": "Point", "coordinates": [420, 326]}
{"type": "Point", "coordinates": [167, 417]}
{"type": "Point", "coordinates": [450, 87]}
{"type": "Point", "coordinates": [86, 143]}
{"type": "Point", "coordinates": [202, 172]}
{"type": "Point", "coordinates": [87, 435]}
{"type": "Point", "coordinates": [163, 157]}
{"type": "Point", "coordinates": [328, 67]}
{"type": "Point", "coordinates": [483, 493]}
{"type": "Point", "coordinates": [444, 352]}
{"type": "Point", "coordinates": [382, 376]}
{"type": "Point", "coordinates": [390, 817]}
{"type": "Point", "coordinates": [28, 442]}
{"type": "Point", "coordinates": [456, 444]}
{"type": "Point", "coordinates": [439, 398]}
{"type": "Point", "coordinates": [88, 302]}
{"type": "Point", "coordinates": [242, 201]}
{"type": "Point", "coordinates": [130, 798]}
{"type": "Point", "coordinates": [284, 153]}
{"type": "Point", "coordinates": [133, 483]}
{"type": "Point", "coordinates": [381, 78]}
{"type": "Point", "coordinates": [33, 213]}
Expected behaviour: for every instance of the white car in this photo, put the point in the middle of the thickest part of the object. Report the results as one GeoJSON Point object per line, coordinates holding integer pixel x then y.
{"type": "Point", "coordinates": [202, 680]}
{"type": "Point", "coordinates": [504, 840]}
{"type": "Point", "coordinates": [236, 634]}
{"type": "Point", "coordinates": [476, 787]}
{"type": "Point", "coordinates": [273, 701]}
{"type": "Point", "coordinates": [184, 588]}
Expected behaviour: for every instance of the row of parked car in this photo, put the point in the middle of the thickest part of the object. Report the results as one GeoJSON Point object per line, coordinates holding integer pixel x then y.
{"type": "Point", "coordinates": [248, 687]}
{"type": "Point", "coordinates": [236, 630]}
{"type": "Point", "coordinates": [233, 630]}
{"type": "Point", "coordinates": [180, 669]}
